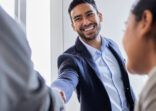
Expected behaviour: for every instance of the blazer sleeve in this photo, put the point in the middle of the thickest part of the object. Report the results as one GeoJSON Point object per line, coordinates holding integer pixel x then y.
{"type": "Point", "coordinates": [68, 75]}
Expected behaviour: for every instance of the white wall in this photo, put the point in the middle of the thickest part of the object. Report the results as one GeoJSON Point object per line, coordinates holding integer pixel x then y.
{"type": "Point", "coordinates": [115, 13]}
{"type": "Point", "coordinates": [38, 34]}
{"type": "Point", "coordinates": [56, 28]}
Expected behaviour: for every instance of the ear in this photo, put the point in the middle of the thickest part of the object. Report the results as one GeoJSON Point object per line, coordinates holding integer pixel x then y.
{"type": "Point", "coordinates": [146, 22]}
{"type": "Point", "coordinates": [100, 16]}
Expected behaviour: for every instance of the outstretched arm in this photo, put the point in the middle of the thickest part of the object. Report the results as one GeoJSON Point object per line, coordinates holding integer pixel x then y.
{"type": "Point", "coordinates": [68, 76]}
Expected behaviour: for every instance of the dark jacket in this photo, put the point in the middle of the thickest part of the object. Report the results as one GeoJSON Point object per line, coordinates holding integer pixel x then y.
{"type": "Point", "coordinates": [91, 92]}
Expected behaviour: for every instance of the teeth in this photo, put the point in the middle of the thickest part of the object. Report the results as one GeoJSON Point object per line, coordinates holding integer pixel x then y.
{"type": "Point", "coordinates": [89, 28]}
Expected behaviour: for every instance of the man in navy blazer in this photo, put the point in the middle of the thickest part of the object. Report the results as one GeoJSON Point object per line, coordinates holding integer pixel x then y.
{"type": "Point", "coordinates": [94, 65]}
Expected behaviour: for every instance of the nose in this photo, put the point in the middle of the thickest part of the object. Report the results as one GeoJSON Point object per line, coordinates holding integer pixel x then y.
{"type": "Point", "coordinates": [86, 21]}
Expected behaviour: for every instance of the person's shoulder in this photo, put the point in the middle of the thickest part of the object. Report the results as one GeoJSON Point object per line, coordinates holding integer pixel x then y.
{"type": "Point", "coordinates": [110, 41]}
{"type": "Point", "coordinates": [70, 50]}
{"type": "Point", "coordinates": [147, 97]}
{"type": "Point", "coordinates": [69, 55]}
{"type": "Point", "coordinates": [150, 85]}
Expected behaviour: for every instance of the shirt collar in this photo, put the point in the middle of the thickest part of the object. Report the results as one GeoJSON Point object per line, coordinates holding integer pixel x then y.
{"type": "Point", "coordinates": [93, 51]}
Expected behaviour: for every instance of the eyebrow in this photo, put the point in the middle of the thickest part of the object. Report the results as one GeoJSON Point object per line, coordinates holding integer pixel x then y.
{"type": "Point", "coordinates": [90, 11]}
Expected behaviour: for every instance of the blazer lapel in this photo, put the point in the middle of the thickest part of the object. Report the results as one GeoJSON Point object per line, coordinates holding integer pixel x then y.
{"type": "Point", "coordinates": [85, 53]}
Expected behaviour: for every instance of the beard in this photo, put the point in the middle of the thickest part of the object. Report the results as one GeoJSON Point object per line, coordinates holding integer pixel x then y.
{"type": "Point", "coordinates": [83, 36]}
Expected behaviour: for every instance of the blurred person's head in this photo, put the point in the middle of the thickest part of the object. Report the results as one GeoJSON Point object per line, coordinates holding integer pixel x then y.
{"type": "Point", "coordinates": [86, 19]}
{"type": "Point", "coordinates": [140, 37]}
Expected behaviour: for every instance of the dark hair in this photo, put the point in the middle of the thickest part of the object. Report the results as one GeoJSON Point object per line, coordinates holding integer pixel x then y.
{"type": "Point", "coordinates": [74, 3]}
{"type": "Point", "coordinates": [143, 5]}
{"type": "Point", "coordinates": [139, 9]}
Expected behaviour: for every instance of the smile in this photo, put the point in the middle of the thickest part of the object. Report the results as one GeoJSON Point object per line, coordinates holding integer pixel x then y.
{"type": "Point", "coordinates": [89, 28]}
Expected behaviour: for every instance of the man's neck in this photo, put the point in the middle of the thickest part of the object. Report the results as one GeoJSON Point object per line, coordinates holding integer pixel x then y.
{"type": "Point", "coordinates": [96, 43]}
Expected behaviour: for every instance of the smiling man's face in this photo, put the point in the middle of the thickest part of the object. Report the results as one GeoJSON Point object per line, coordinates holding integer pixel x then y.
{"type": "Point", "coordinates": [86, 21]}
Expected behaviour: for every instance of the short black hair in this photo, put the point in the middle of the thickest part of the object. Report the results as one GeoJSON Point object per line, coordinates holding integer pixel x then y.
{"type": "Point", "coordinates": [143, 5]}
{"type": "Point", "coordinates": [74, 3]}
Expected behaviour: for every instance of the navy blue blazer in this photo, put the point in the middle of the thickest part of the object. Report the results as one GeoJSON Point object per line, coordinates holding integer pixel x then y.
{"type": "Point", "coordinates": [91, 93]}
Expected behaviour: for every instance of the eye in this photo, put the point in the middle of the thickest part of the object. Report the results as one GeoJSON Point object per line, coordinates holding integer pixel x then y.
{"type": "Point", "coordinates": [76, 19]}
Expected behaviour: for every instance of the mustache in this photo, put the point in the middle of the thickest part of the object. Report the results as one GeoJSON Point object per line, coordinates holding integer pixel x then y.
{"type": "Point", "coordinates": [83, 27]}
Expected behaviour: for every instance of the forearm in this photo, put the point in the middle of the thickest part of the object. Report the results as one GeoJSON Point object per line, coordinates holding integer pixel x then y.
{"type": "Point", "coordinates": [66, 84]}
